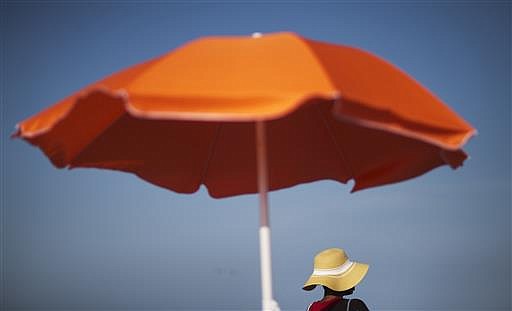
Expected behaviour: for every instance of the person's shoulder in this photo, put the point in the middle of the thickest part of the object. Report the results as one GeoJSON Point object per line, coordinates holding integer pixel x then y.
{"type": "Point", "coordinates": [358, 304]}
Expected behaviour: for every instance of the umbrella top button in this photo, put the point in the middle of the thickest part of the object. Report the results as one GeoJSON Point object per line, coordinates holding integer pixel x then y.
{"type": "Point", "coordinates": [257, 34]}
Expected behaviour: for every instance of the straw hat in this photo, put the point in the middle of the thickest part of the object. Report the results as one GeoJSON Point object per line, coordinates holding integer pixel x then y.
{"type": "Point", "coordinates": [333, 269]}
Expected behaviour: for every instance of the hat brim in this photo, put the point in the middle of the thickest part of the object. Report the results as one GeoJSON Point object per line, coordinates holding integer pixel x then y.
{"type": "Point", "coordinates": [339, 282]}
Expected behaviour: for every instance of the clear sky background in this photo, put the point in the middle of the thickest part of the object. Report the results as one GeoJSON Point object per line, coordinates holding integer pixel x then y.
{"type": "Point", "coordinates": [90, 239]}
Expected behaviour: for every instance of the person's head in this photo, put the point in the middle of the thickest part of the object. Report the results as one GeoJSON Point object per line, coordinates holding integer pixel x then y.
{"type": "Point", "coordinates": [335, 272]}
{"type": "Point", "coordinates": [330, 292]}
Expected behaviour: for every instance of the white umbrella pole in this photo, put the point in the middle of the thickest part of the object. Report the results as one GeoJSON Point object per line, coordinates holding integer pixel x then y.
{"type": "Point", "coordinates": [268, 302]}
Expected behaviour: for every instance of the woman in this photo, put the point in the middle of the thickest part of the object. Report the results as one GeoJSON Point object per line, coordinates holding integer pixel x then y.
{"type": "Point", "coordinates": [338, 276]}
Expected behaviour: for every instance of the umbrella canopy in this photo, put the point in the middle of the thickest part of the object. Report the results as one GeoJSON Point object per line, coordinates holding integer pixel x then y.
{"type": "Point", "coordinates": [187, 118]}
{"type": "Point", "coordinates": [335, 112]}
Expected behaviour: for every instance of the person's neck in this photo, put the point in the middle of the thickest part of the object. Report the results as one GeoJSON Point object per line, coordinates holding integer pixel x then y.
{"type": "Point", "coordinates": [331, 297]}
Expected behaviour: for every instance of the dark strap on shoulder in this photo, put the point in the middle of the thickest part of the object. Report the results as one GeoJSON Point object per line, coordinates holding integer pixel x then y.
{"type": "Point", "coordinates": [339, 305]}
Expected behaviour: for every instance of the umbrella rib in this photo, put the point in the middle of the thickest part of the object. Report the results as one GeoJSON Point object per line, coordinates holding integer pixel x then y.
{"type": "Point", "coordinates": [210, 155]}
{"type": "Point", "coordinates": [339, 150]}
{"type": "Point", "coordinates": [91, 141]}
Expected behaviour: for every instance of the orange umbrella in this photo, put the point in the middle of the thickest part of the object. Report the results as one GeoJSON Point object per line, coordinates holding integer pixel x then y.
{"type": "Point", "coordinates": [228, 111]}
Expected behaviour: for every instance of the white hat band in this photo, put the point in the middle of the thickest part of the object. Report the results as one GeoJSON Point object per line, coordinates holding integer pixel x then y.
{"type": "Point", "coordinates": [334, 271]}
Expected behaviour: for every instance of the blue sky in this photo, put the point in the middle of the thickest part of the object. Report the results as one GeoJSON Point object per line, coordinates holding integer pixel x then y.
{"type": "Point", "coordinates": [91, 239]}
